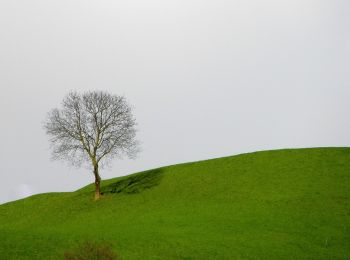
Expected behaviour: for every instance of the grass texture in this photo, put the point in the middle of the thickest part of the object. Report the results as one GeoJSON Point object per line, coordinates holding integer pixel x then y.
{"type": "Point", "coordinates": [283, 204]}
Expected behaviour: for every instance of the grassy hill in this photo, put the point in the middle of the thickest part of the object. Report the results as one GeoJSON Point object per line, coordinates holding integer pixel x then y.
{"type": "Point", "coordinates": [284, 204]}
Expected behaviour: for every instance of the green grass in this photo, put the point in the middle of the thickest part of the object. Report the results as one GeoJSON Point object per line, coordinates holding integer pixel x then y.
{"type": "Point", "coordinates": [285, 204]}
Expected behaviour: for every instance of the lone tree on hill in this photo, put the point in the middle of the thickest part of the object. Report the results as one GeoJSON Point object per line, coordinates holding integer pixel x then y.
{"type": "Point", "coordinates": [92, 127]}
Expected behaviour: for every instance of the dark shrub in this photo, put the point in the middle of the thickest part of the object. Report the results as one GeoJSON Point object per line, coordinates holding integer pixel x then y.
{"type": "Point", "coordinates": [91, 251]}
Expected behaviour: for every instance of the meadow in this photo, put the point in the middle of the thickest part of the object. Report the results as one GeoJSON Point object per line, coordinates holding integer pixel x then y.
{"type": "Point", "coordinates": [282, 204]}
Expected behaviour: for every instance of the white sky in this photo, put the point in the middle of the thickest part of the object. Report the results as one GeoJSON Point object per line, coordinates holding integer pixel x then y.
{"type": "Point", "coordinates": [207, 78]}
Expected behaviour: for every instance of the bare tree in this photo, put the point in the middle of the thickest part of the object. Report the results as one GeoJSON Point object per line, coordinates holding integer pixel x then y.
{"type": "Point", "coordinates": [92, 127]}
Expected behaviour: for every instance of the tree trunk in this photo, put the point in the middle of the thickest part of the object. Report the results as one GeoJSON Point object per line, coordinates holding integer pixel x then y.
{"type": "Point", "coordinates": [97, 183]}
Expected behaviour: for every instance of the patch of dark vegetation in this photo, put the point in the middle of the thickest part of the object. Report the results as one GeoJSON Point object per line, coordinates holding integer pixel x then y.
{"type": "Point", "coordinates": [91, 250]}
{"type": "Point", "coordinates": [135, 183]}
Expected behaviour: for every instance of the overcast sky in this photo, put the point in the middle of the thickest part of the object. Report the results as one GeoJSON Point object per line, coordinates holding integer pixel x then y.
{"type": "Point", "coordinates": [206, 79]}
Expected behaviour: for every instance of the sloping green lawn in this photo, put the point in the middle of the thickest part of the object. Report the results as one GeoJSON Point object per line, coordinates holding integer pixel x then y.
{"type": "Point", "coordinates": [284, 204]}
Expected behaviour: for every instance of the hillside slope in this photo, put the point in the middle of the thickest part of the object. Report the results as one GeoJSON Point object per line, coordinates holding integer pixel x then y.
{"type": "Point", "coordinates": [284, 204]}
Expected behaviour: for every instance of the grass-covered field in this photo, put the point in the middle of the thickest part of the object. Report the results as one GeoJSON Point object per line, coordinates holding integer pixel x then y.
{"type": "Point", "coordinates": [286, 204]}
